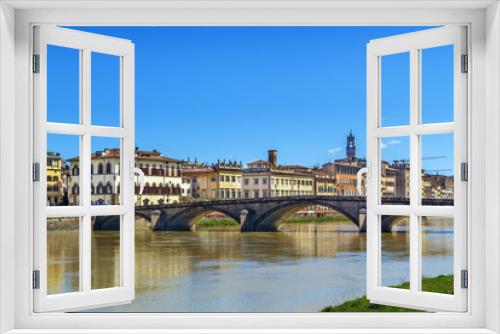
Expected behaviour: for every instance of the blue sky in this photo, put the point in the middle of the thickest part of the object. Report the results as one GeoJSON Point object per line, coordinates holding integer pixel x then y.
{"type": "Point", "coordinates": [234, 92]}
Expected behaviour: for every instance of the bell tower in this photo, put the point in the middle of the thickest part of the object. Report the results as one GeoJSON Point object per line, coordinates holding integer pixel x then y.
{"type": "Point", "coordinates": [350, 149]}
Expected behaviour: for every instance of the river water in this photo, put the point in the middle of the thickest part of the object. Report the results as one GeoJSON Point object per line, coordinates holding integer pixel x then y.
{"type": "Point", "coordinates": [301, 269]}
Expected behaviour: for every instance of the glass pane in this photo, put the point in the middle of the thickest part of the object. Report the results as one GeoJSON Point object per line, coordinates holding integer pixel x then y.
{"type": "Point", "coordinates": [63, 255]}
{"type": "Point", "coordinates": [63, 84]}
{"type": "Point", "coordinates": [395, 170]}
{"type": "Point", "coordinates": [437, 84]}
{"type": "Point", "coordinates": [395, 252]}
{"type": "Point", "coordinates": [395, 89]}
{"type": "Point", "coordinates": [105, 90]}
{"type": "Point", "coordinates": [105, 256]}
{"type": "Point", "coordinates": [437, 254]}
{"type": "Point", "coordinates": [105, 169]}
{"type": "Point", "coordinates": [437, 169]}
{"type": "Point", "coordinates": [63, 170]}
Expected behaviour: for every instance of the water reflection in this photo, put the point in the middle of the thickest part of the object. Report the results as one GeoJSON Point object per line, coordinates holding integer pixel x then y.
{"type": "Point", "coordinates": [301, 269]}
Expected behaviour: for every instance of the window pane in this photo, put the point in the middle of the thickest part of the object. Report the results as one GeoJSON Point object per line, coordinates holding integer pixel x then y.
{"type": "Point", "coordinates": [437, 169]}
{"type": "Point", "coordinates": [63, 170]}
{"type": "Point", "coordinates": [105, 90]}
{"type": "Point", "coordinates": [437, 84]}
{"type": "Point", "coordinates": [105, 252]}
{"type": "Point", "coordinates": [395, 170]}
{"type": "Point", "coordinates": [395, 89]}
{"type": "Point", "coordinates": [105, 169]}
{"type": "Point", "coordinates": [395, 251]}
{"type": "Point", "coordinates": [63, 84]}
{"type": "Point", "coordinates": [63, 259]}
{"type": "Point", "coordinates": [437, 253]}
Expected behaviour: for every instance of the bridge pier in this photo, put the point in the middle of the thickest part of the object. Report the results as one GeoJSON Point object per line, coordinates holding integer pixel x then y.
{"type": "Point", "coordinates": [243, 219]}
{"type": "Point", "coordinates": [362, 220]}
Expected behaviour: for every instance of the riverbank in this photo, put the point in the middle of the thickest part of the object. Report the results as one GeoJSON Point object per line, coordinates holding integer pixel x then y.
{"type": "Point", "coordinates": [224, 224]}
{"type": "Point", "coordinates": [327, 219]}
{"type": "Point", "coordinates": [227, 224]}
{"type": "Point", "coordinates": [438, 284]}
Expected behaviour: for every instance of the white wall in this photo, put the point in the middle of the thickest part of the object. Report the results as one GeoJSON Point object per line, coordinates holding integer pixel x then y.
{"type": "Point", "coordinates": [492, 201]}
{"type": "Point", "coordinates": [7, 168]}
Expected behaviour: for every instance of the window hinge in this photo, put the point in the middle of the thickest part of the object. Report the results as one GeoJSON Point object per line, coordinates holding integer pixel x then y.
{"type": "Point", "coordinates": [464, 279]}
{"type": "Point", "coordinates": [36, 172]}
{"type": "Point", "coordinates": [464, 170]}
{"type": "Point", "coordinates": [465, 64]}
{"type": "Point", "coordinates": [36, 279]}
{"type": "Point", "coordinates": [36, 63]}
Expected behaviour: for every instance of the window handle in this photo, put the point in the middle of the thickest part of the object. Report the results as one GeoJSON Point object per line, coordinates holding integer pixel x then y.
{"type": "Point", "coordinates": [139, 172]}
{"type": "Point", "coordinates": [359, 175]}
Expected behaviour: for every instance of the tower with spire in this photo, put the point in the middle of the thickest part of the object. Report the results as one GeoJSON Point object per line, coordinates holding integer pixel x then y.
{"type": "Point", "coordinates": [350, 149]}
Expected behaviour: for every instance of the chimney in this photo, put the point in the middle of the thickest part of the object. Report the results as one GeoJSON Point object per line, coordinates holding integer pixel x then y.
{"type": "Point", "coordinates": [272, 157]}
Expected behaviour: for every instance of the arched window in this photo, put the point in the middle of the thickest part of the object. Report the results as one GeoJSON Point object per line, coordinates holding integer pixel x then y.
{"type": "Point", "coordinates": [92, 189]}
{"type": "Point", "coordinates": [76, 170]}
{"type": "Point", "coordinates": [55, 178]}
{"type": "Point", "coordinates": [76, 189]}
{"type": "Point", "coordinates": [99, 188]}
{"type": "Point", "coordinates": [108, 168]}
{"type": "Point", "coordinates": [100, 168]}
{"type": "Point", "coordinates": [49, 178]}
{"type": "Point", "coordinates": [178, 190]}
{"type": "Point", "coordinates": [109, 188]}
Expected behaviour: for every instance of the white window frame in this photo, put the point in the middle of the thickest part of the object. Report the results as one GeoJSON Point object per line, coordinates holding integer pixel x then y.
{"type": "Point", "coordinates": [413, 44]}
{"type": "Point", "coordinates": [16, 20]}
{"type": "Point", "coordinates": [85, 43]}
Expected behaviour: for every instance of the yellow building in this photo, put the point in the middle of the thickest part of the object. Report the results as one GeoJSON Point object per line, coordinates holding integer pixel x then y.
{"type": "Point", "coordinates": [218, 181]}
{"type": "Point", "coordinates": [324, 184]}
{"type": "Point", "coordinates": [54, 179]}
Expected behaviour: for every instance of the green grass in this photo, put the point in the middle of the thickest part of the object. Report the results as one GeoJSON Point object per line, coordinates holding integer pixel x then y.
{"type": "Point", "coordinates": [440, 284]}
{"type": "Point", "coordinates": [216, 222]}
{"type": "Point", "coordinates": [223, 224]}
{"type": "Point", "coordinates": [295, 220]}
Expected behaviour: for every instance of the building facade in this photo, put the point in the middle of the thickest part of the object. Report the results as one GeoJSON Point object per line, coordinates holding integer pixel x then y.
{"type": "Point", "coordinates": [268, 179]}
{"type": "Point", "coordinates": [55, 191]}
{"type": "Point", "coordinates": [162, 178]}
{"type": "Point", "coordinates": [220, 181]}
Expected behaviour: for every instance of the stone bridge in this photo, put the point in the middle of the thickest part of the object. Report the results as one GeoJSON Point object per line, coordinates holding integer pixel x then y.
{"type": "Point", "coordinates": [260, 214]}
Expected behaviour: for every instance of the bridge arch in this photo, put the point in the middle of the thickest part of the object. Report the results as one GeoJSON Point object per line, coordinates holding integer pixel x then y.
{"type": "Point", "coordinates": [273, 218]}
{"type": "Point", "coordinates": [186, 218]}
{"type": "Point", "coordinates": [112, 223]}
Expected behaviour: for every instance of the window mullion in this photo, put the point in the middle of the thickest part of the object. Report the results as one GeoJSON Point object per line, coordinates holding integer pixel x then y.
{"type": "Point", "coordinates": [85, 177]}
{"type": "Point", "coordinates": [414, 170]}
